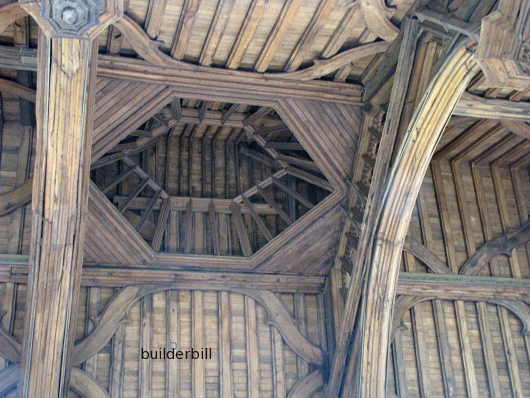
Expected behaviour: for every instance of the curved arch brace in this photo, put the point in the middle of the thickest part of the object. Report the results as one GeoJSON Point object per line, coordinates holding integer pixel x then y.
{"type": "Point", "coordinates": [282, 320]}
{"type": "Point", "coordinates": [519, 309]}
{"type": "Point", "coordinates": [10, 13]}
{"type": "Point", "coordinates": [401, 306]}
{"type": "Point", "coordinates": [402, 189]}
{"type": "Point", "coordinates": [109, 321]}
{"type": "Point", "coordinates": [307, 386]}
{"type": "Point", "coordinates": [83, 384]}
{"type": "Point", "coordinates": [117, 308]}
{"type": "Point", "coordinates": [9, 378]}
{"type": "Point", "coordinates": [15, 199]}
{"type": "Point", "coordinates": [10, 349]}
{"type": "Point", "coordinates": [149, 50]}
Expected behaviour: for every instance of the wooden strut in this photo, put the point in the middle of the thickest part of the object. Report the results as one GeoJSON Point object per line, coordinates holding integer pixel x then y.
{"type": "Point", "coordinates": [112, 317]}
{"type": "Point", "coordinates": [404, 303]}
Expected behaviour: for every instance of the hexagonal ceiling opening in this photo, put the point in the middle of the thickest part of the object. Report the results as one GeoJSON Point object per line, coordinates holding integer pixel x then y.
{"type": "Point", "coordinates": [211, 178]}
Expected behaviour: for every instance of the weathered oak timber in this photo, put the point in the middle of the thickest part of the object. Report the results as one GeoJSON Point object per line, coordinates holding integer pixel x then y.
{"type": "Point", "coordinates": [370, 207]}
{"type": "Point", "coordinates": [462, 287]}
{"type": "Point", "coordinates": [400, 195]}
{"type": "Point", "coordinates": [375, 14]}
{"type": "Point", "coordinates": [227, 86]}
{"type": "Point", "coordinates": [9, 13]}
{"type": "Point", "coordinates": [58, 210]}
{"type": "Point", "coordinates": [503, 244]}
{"type": "Point", "coordinates": [64, 113]}
{"type": "Point", "coordinates": [503, 47]}
{"type": "Point", "coordinates": [443, 286]}
{"type": "Point", "coordinates": [489, 108]}
{"type": "Point", "coordinates": [424, 254]}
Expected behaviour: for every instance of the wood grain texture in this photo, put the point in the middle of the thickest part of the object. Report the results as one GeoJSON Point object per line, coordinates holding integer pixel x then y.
{"type": "Point", "coordinates": [431, 116]}
{"type": "Point", "coordinates": [60, 190]}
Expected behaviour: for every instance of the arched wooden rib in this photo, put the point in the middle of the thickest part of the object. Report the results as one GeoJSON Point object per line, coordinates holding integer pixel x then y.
{"type": "Point", "coordinates": [401, 306]}
{"type": "Point", "coordinates": [388, 235]}
{"type": "Point", "coordinates": [110, 320]}
{"type": "Point", "coordinates": [404, 303]}
{"type": "Point", "coordinates": [323, 67]}
{"type": "Point", "coordinates": [83, 384]}
{"type": "Point", "coordinates": [9, 13]}
{"type": "Point", "coordinates": [307, 386]}
{"type": "Point", "coordinates": [117, 308]}
{"type": "Point", "coordinates": [149, 50]}
{"type": "Point", "coordinates": [376, 16]}
{"type": "Point", "coordinates": [504, 244]}
{"type": "Point", "coordinates": [282, 320]}
{"type": "Point", "coordinates": [9, 378]}
{"type": "Point", "coordinates": [145, 47]}
{"type": "Point", "coordinates": [15, 199]}
{"type": "Point", "coordinates": [519, 309]}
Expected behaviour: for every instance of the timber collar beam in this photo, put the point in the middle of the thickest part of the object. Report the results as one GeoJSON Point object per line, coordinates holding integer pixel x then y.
{"type": "Point", "coordinates": [14, 268]}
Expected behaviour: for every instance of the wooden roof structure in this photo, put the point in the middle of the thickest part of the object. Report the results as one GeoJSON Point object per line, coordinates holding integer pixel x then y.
{"type": "Point", "coordinates": [331, 196]}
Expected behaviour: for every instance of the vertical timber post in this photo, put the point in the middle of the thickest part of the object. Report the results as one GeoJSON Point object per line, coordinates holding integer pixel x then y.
{"type": "Point", "coordinates": [67, 56]}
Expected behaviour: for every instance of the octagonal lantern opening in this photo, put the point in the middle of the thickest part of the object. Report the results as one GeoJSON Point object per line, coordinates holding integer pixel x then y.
{"type": "Point", "coordinates": [211, 178]}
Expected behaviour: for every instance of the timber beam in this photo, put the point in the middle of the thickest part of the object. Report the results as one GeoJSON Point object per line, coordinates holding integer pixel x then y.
{"type": "Point", "coordinates": [122, 276]}
{"type": "Point", "coordinates": [119, 67]}
{"type": "Point", "coordinates": [14, 269]}
{"type": "Point", "coordinates": [200, 83]}
{"type": "Point", "coordinates": [460, 287]}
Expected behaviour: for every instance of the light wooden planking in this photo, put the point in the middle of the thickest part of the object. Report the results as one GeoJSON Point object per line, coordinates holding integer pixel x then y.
{"type": "Point", "coordinates": [184, 28]}
{"type": "Point", "coordinates": [246, 33]}
{"type": "Point", "coordinates": [289, 10]}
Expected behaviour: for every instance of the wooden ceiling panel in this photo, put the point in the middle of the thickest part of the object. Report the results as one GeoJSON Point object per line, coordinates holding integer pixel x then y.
{"type": "Point", "coordinates": [248, 167]}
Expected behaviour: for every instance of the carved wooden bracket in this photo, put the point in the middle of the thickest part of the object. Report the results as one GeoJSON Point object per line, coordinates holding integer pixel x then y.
{"type": "Point", "coordinates": [504, 244]}
{"type": "Point", "coordinates": [405, 303]}
{"type": "Point", "coordinates": [504, 47]}
{"type": "Point", "coordinates": [112, 316]}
